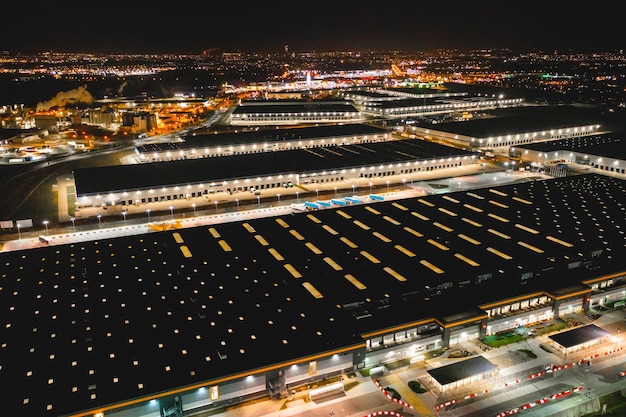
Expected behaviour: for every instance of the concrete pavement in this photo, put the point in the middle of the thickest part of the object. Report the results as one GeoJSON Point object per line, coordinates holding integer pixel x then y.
{"type": "Point", "coordinates": [184, 213]}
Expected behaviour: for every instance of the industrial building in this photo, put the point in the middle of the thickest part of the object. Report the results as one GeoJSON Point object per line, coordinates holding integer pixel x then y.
{"type": "Point", "coordinates": [283, 112]}
{"type": "Point", "coordinates": [603, 152]}
{"type": "Point", "coordinates": [413, 102]}
{"type": "Point", "coordinates": [135, 188]}
{"type": "Point", "coordinates": [209, 144]}
{"type": "Point", "coordinates": [500, 131]}
{"type": "Point", "coordinates": [196, 318]}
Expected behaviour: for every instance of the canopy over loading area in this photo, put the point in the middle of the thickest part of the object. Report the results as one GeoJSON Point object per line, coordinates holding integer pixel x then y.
{"type": "Point", "coordinates": [580, 338]}
{"type": "Point", "coordinates": [462, 373]}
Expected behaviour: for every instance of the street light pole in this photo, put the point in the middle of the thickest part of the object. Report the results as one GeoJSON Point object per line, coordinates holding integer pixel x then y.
{"type": "Point", "coordinates": [73, 219]}
{"type": "Point", "coordinates": [19, 233]}
{"type": "Point", "coordinates": [45, 222]}
{"type": "Point", "coordinates": [172, 212]}
{"type": "Point", "coordinates": [194, 208]}
{"type": "Point", "coordinates": [99, 220]}
{"type": "Point", "coordinates": [124, 215]}
{"type": "Point", "coordinates": [148, 211]}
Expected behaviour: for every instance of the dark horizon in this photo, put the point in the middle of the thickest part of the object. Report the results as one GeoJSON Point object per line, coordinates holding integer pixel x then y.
{"type": "Point", "coordinates": [322, 28]}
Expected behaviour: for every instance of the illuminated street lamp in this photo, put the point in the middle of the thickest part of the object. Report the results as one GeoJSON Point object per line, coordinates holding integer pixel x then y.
{"type": "Point", "coordinates": [297, 195]}
{"type": "Point", "coordinates": [172, 212]}
{"type": "Point", "coordinates": [317, 192]}
{"type": "Point", "coordinates": [370, 187]}
{"type": "Point", "coordinates": [124, 215]}
{"type": "Point", "coordinates": [215, 206]}
{"type": "Point", "coordinates": [73, 219]}
{"type": "Point", "coordinates": [258, 200]}
{"type": "Point", "coordinates": [148, 211]}
{"type": "Point", "coordinates": [99, 220]}
{"type": "Point", "coordinates": [387, 186]}
{"type": "Point", "coordinates": [45, 222]}
{"type": "Point", "coordinates": [237, 201]}
{"type": "Point", "coordinates": [403, 184]}
{"type": "Point", "coordinates": [353, 188]}
{"type": "Point", "coordinates": [19, 233]}
{"type": "Point", "coordinates": [194, 208]}
{"type": "Point", "coordinates": [278, 197]}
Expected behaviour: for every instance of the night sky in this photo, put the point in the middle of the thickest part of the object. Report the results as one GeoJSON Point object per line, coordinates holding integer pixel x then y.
{"type": "Point", "coordinates": [266, 26]}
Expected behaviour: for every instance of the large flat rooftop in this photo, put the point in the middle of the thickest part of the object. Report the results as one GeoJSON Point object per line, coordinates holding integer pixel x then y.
{"type": "Point", "coordinates": [205, 170]}
{"type": "Point", "coordinates": [200, 139]}
{"type": "Point", "coordinates": [101, 322]}
{"type": "Point", "coordinates": [277, 107]}
{"type": "Point", "coordinates": [609, 145]}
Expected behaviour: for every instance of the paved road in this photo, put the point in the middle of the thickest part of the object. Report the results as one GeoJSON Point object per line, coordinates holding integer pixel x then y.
{"type": "Point", "coordinates": [28, 190]}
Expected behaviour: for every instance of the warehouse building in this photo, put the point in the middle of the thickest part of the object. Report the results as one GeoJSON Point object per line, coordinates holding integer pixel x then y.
{"type": "Point", "coordinates": [498, 131]}
{"type": "Point", "coordinates": [282, 112]}
{"type": "Point", "coordinates": [204, 144]}
{"type": "Point", "coordinates": [113, 190]}
{"type": "Point", "coordinates": [603, 153]}
{"type": "Point", "coordinates": [197, 318]}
